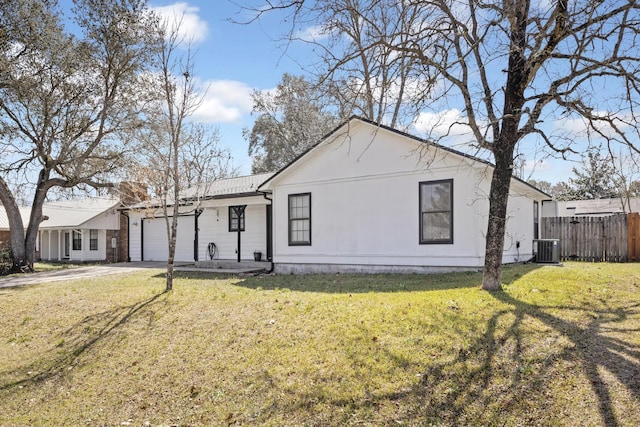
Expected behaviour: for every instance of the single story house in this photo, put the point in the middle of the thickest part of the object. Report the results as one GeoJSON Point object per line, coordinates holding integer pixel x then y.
{"type": "Point", "coordinates": [366, 198]}
{"type": "Point", "coordinates": [77, 230]}
{"type": "Point", "coordinates": [371, 198]}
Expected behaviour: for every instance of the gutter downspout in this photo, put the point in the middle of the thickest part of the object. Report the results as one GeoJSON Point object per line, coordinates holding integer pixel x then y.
{"type": "Point", "coordinates": [128, 234]}
{"type": "Point", "coordinates": [197, 214]}
{"type": "Point", "coordinates": [269, 237]}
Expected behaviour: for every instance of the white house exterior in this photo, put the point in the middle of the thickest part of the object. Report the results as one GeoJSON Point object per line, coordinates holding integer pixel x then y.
{"type": "Point", "coordinates": [371, 199]}
{"type": "Point", "coordinates": [80, 230]}
{"type": "Point", "coordinates": [207, 228]}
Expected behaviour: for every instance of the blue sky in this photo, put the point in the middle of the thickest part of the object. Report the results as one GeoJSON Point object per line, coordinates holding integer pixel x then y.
{"type": "Point", "coordinates": [233, 60]}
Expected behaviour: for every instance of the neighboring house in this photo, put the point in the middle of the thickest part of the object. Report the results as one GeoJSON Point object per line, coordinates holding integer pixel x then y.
{"type": "Point", "coordinates": [77, 230]}
{"type": "Point", "coordinates": [369, 198]}
{"type": "Point", "coordinates": [595, 207]}
{"type": "Point", "coordinates": [81, 230]}
{"type": "Point", "coordinates": [207, 225]}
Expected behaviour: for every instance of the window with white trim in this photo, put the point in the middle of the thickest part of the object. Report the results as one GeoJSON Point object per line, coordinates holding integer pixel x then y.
{"type": "Point", "coordinates": [93, 240]}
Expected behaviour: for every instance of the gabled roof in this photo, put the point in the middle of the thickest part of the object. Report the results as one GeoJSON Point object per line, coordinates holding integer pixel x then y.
{"type": "Point", "coordinates": [67, 213]}
{"type": "Point", "coordinates": [74, 213]}
{"type": "Point", "coordinates": [4, 220]}
{"type": "Point", "coordinates": [398, 132]}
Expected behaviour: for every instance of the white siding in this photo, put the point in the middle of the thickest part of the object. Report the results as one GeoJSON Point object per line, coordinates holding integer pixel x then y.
{"type": "Point", "coordinates": [214, 227]}
{"type": "Point", "coordinates": [365, 205]}
{"type": "Point", "coordinates": [109, 220]}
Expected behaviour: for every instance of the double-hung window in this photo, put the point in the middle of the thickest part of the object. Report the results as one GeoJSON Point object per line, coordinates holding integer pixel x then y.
{"type": "Point", "coordinates": [76, 242]}
{"type": "Point", "coordinates": [436, 211]}
{"type": "Point", "coordinates": [300, 219]}
{"type": "Point", "coordinates": [93, 240]}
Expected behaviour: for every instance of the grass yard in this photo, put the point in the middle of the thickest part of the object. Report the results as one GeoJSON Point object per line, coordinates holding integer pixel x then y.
{"type": "Point", "coordinates": [559, 346]}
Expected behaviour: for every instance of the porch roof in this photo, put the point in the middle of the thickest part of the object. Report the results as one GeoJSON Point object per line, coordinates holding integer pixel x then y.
{"type": "Point", "coordinates": [66, 213]}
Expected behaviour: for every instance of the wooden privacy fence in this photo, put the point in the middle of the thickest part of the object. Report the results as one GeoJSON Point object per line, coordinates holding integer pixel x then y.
{"type": "Point", "coordinates": [614, 238]}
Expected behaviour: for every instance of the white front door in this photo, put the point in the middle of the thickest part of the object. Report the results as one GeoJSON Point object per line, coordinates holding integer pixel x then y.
{"type": "Point", "coordinates": [67, 244]}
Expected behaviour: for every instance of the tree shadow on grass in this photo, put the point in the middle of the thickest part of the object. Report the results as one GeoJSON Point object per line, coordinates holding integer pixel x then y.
{"type": "Point", "coordinates": [477, 378]}
{"type": "Point", "coordinates": [503, 376]}
{"type": "Point", "coordinates": [76, 340]}
{"type": "Point", "coordinates": [364, 283]}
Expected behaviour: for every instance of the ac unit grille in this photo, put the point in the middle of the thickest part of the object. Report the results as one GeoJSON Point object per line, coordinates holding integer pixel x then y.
{"type": "Point", "coordinates": [547, 250]}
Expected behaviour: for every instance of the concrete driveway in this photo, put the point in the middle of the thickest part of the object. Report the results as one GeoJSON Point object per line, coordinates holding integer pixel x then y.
{"type": "Point", "coordinates": [77, 273]}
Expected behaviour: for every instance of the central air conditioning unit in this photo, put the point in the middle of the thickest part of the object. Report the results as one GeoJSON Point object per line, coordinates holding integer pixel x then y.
{"type": "Point", "coordinates": [547, 250]}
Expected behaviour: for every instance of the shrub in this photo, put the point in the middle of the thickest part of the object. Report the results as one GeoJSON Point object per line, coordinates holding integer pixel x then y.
{"type": "Point", "coordinates": [6, 261]}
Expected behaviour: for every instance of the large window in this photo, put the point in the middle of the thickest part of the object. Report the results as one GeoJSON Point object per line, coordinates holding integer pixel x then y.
{"type": "Point", "coordinates": [93, 240]}
{"type": "Point", "coordinates": [300, 219]}
{"type": "Point", "coordinates": [436, 212]}
{"type": "Point", "coordinates": [77, 240]}
{"type": "Point", "coordinates": [236, 221]}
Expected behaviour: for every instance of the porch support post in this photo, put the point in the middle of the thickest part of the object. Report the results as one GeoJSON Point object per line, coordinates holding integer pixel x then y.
{"type": "Point", "coordinates": [239, 211]}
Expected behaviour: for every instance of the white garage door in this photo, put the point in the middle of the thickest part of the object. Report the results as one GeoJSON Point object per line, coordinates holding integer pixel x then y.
{"type": "Point", "coordinates": [155, 246]}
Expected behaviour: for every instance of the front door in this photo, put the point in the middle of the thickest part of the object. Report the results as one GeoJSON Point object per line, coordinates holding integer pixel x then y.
{"type": "Point", "coordinates": [67, 243]}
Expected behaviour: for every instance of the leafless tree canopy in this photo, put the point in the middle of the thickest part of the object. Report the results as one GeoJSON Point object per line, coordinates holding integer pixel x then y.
{"type": "Point", "coordinates": [513, 66]}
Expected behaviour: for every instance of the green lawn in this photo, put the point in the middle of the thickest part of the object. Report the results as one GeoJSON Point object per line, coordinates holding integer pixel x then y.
{"type": "Point", "coordinates": [559, 346]}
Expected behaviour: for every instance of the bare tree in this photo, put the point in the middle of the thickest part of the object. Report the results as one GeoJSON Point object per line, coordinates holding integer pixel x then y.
{"type": "Point", "coordinates": [626, 175]}
{"type": "Point", "coordinates": [355, 69]}
{"type": "Point", "coordinates": [178, 153]}
{"type": "Point", "coordinates": [67, 101]}
{"type": "Point", "coordinates": [513, 66]}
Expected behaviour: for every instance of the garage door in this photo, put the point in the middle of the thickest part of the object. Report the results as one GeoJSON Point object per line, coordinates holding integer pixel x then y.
{"type": "Point", "coordinates": [155, 245]}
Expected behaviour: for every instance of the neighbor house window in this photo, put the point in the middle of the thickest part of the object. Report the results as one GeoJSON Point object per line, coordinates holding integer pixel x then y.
{"type": "Point", "coordinates": [436, 211]}
{"type": "Point", "coordinates": [77, 240]}
{"type": "Point", "coordinates": [93, 240]}
{"type": "Point", "coordinates": [300, 219]}
{"type": "Point", "coordinates": [234, 220]}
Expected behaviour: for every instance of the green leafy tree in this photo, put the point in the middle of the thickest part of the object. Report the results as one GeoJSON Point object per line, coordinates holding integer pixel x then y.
{"type": "Point", "coordinates": [289, 121]}
{"type": "Point", "coordinates": [595, 180]}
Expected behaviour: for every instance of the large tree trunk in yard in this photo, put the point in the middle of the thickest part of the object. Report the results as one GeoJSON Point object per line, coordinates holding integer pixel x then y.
{"type": "Point", "coordinates": [498, 199]}
{"type": "Point", "coordinates": [35, 219]}
{"type": "Point", "coordinates": [16, 228]}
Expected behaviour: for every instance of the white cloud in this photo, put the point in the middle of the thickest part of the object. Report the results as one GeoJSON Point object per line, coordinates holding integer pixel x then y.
{"type": "Point", "coordinates": [191, 27]}
{"type": "Point", "coordinates": [314, 33]}
{"type": "Point", "coordinates": [226, 101]}
{"type": "Point", "coordinates": [580, 126]}
{"type": "Point", "coordinates": [450, 123]}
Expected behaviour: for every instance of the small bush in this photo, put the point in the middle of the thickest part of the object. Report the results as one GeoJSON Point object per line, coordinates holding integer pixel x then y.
{"type": "Point", "coordinates": [5, 261]}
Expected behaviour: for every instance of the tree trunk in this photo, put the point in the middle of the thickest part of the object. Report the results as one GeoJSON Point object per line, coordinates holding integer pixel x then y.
{"type": "Point", "coordinates": [505, 146]}
{"type": "Point", "coordinates": [35, 219]}
{"type": "Point", "coordinates": [498, 199]}
{"type": "Point", "coordinates": [16, 228]}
